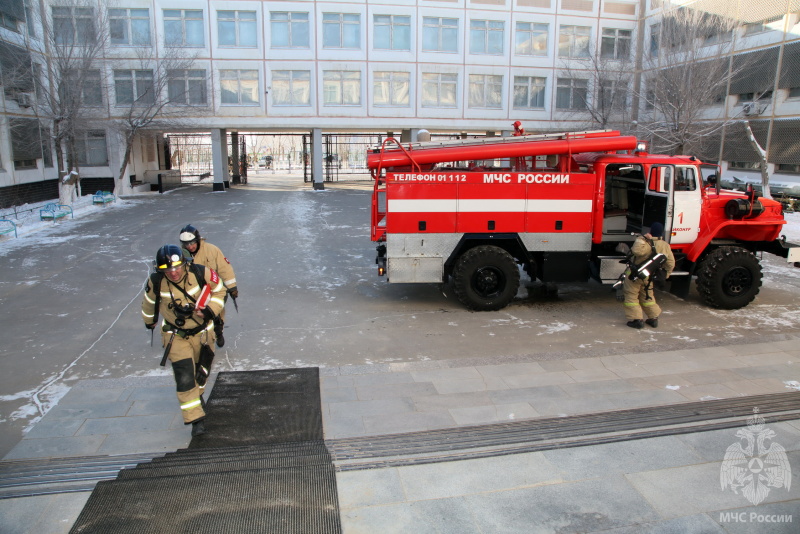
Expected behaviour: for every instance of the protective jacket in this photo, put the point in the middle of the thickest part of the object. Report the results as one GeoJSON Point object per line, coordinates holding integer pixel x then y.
{"type": "Point", "coordinates": [187, 336]}
{"type": "Point", "coordinates": [641, 250]}
{"type": "Point", "coordinates": [211, 256]}
{"type": "Point", "coordinates": [176, 300]}
{"type": "Point", "coordinates": [639, 298]}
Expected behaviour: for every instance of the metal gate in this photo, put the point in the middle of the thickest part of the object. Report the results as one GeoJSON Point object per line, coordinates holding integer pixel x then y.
{"type": "Point", "coordinates": [344, 155]}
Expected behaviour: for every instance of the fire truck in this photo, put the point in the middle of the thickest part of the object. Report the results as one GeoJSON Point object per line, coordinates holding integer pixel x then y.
{"type": "Point", "coordinates": [563, 207]}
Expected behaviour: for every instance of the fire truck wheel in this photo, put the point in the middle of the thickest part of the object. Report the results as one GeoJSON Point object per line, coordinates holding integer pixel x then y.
{"type": "Point", "coordinates": [486, 278]}
{"type": "Point", "coordinates": [729, 278]}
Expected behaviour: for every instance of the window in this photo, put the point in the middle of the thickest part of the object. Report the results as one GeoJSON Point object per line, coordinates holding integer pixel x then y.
{"type": "Point", "coordinates": [392, 32]}
{"type": "Point", "coordinates": [685, 179]}
{"type": "Point", "coordinates": [391, 88]}
{"type": "Point", "coordinates": [90, 149]}
{"type": "Point", "coordinates": [485, 91]}
{"type": "Point", "coordinates": [73, 25]}
{"type": "Point", "coordinates": [187, 86]}
{"type": "Point", "coordinates": [26, 145]}
{"type": "Point", "coordinates": [239, 87]}
{"type": "Point", "coordinates": [87, 85]}
{"type": "Point", "coordinates": [486, 37]}
{"type": "Point", "coordinates": [291, 88]}
{"type": "Point", "coordinates": [183, 27]}
{"type": "Point", "coordinates": [529, 92]}
{"type": "Point", "coordinates": [129, 27]}
{"type": "Point", "coordinates": [237, 28]}
{"type": "Point", "coordinates": [753, 97]}
{"type": "Point", "coordinates": [341, 30]}
{"type": "Point", "coordinates": [531, 39]}
{"type": "Point", "coordinates": [789, 168]}
{"type": "Point", "coordinates": [571, 93]}
{"type": "Point", "coordinates": [439, 34]}
{"type": "Point", "coordinates": [760, 26]}
{"type": "Point", "coordinates": [341, 88]}
{"type": "Point", "coordinates": [573, 41]}
{"type": "Point", "coordinates": [289, 30]}
{"type": "Point", "coordinates": [613, 94]}
{"type": "Point", "coordinates": [794, 92]}
{"type": "Point", "coordinates": [439, 90]}
{"type": "Point", "coordinates": [134, 87]}
{"type": "Point", "coordinates": [10, 23]}
{"type": "Point", "coordinates": [655, 39]}
{"type": "Point", "coordinates": [745, 165]}
{"type": "Point", "coordinates": [616, 44]}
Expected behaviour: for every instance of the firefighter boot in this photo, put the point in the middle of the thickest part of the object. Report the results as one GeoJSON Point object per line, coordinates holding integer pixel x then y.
{"type": "Point", "coordinates": [652, 322]}
{"type": "Point", "coordinates": [636, 323]}
{"type": "Point", "coordinates": [198, 427]}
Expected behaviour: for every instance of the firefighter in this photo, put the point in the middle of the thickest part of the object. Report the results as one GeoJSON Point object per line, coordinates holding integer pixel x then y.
{"type": "Point", "coordinates": [211, 256]}
{"type": "Point", "coordinates": [187, 331]}
{"type": "Point", "coordinates": [639, 297]}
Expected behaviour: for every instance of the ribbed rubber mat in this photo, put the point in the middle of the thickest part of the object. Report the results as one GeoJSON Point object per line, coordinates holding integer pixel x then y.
{"type": "Point", "coordinates": [261, 467]}
{"type": "Point", "coordinates": [256, 407]}
{"type": "Point", "coordinates": [292, 500]}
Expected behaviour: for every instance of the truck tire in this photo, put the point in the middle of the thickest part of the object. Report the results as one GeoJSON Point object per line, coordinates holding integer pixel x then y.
{"type": "Point", "coordinates": [729, 278]}
{"type": "Point", "coordinates": [485, 278]}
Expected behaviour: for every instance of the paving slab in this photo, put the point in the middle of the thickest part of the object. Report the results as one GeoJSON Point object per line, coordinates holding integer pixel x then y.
{"type": "Point", "coordinates": [581, 506]}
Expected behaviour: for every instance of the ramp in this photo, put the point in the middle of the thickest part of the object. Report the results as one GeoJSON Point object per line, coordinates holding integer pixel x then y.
{"type": "Point", "coordinates": [261, 467]}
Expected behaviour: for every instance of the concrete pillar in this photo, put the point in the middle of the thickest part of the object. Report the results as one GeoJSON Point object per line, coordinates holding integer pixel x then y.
{"type": "Point", "coordinates": [235, 177]}
{"type": "Point", "coordinates": [219, 157]}
{"type": "Point", "coordinates": [317, 153]}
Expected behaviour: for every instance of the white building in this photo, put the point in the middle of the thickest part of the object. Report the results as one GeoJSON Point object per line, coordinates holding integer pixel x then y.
{"type": "Point", "coordinates": [363, 65]}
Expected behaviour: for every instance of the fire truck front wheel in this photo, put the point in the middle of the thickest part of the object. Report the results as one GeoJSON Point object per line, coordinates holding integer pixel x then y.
{"type": "Point", "coordinates": [729, 278]}
{"type": "Point", "coordinates": [486, 278]}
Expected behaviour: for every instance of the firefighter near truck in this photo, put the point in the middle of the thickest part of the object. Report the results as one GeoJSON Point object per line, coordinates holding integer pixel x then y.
{"type": "Point", "coordinates": [565, 208]}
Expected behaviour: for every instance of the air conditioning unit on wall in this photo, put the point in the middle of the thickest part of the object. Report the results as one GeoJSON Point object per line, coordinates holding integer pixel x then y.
{"type": "Point", "coordinates": [25, 100]}
{"type": "Point", "coordinates": [749, 108]}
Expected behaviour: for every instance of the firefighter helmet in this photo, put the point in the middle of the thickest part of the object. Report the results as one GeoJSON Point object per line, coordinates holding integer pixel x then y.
{"type": "Point", "coordinates": [189, 234]}
{"type": "Point", "coordinates": [169, 256]}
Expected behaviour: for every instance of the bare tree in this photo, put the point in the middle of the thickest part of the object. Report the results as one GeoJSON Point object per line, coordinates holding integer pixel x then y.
{"type": "Point", "coordinates": [609, 76]}
{"type": "Point", "coordinates": [687, 74]}
{"type": "Point", "coordinates": [67, 63]}
{"type": "Point", "coordinates": [153, 94]}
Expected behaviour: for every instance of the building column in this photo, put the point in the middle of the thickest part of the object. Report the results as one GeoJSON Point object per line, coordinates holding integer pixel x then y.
{"type": "Point", "coordinates": [317, 153]}
{"type": "Point", "coordinates": [219, 157]}
{"type": "Point", "coordinates": [235, 176]}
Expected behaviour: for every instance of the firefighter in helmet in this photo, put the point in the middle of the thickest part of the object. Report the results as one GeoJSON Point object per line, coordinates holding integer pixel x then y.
{"type": "Point", "coordinates": [211, 256]}
{"type": "Point", "coordinates": [188, 298]}
{"type": "Point", "coordinates": [639, 298]}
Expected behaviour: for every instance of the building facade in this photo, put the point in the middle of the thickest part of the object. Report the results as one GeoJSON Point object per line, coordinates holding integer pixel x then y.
{"type": "Point", "coordinates": [368, 66]}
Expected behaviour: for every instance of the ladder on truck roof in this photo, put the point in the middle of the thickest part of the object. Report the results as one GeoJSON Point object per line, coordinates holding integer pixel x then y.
{"type": "Point", "coordinates": [422, 145]}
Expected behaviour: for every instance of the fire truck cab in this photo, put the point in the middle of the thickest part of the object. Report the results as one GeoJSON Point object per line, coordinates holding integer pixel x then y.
{"type": "Point", "coordinates": [564, 207]}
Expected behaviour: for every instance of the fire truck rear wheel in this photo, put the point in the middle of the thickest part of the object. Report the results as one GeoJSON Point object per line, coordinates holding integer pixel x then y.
{"type": "Point", "coordinates": [729, 278]}
{"type": "Point", "coordinates": [486, 278]}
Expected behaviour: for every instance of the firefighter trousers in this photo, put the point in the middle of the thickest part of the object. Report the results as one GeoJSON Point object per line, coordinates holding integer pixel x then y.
{"type": "Point", "coordinates": [639, 300]}
{"type": "Point", "coordinates": [184, 355]}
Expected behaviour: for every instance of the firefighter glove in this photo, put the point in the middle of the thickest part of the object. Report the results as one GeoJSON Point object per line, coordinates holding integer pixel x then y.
{"type": "Point", "coordinates": [233, 292]}
{"type": "Point", "coordinates": [150, 326]}
{"type": "Point", "coordinates": [208, 314]}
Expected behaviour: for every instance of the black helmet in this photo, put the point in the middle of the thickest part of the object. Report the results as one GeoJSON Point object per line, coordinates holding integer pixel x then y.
{"type": "Point", "coordinates": [189, 234]}
{"type": "Point", "coordinates": [169, 256]}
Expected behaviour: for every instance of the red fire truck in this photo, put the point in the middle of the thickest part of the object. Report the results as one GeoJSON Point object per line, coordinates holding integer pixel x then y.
{"type": "Point", "coordinates": [563, 207]}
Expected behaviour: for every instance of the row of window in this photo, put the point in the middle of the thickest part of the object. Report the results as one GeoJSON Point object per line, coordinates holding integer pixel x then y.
{"type": "Point", "coordinates": [185, 28]}
{"type": "Point", "coordinates": [389, 88]}
{"type": "Point", "coordinates": [339, 88]}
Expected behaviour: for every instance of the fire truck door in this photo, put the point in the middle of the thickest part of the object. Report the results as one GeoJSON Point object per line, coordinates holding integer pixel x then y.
{"type": "Point", "coordinates": [685, 207]}
{"type": "Point", "coordinates": [657, 198]}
